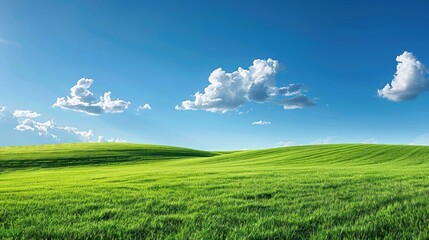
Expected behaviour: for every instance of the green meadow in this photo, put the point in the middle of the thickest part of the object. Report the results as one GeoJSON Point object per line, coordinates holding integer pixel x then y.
{"type": "Point", "coordinates": [133, 191]}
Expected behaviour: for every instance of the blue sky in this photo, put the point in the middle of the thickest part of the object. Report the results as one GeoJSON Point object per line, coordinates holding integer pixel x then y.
{"type": "Point", "coordinates": [335, 54]}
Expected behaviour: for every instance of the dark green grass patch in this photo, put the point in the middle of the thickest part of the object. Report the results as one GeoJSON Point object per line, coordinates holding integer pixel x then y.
{"type": "Point", "coordinates": [89, 154]}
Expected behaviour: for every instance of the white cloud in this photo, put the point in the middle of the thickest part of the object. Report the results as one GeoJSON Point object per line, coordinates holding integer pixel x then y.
{"type": "Point", "coordinates": [292, 89]}
{"type": "Point", "coordinates": [84, 136]}
{"type": "Point", "coordinates": [409, 80]}
{"type": "Point", "coordinates": [146, 106]}
{"type": "Point", "coordinates": [81, 99]}
{"type": "Point", "coordinates": [118, 140]}
{"type": "Point", "coordinates": [25, 114]}
{"type": "Point", "coordinates": [261, 123]}
{"type": "Point", "coordinates": [48, 128]}
{"type": "Point", "coordinates": [42, 128]}
{"type": "Point", "coordinates": [28, 124]}
{"type": "Point", "coordinates": [228, 91]}
{"type": "Point", "coordinates": [103, 139]}
{"type": "Point", "coordinates": [23, 127]}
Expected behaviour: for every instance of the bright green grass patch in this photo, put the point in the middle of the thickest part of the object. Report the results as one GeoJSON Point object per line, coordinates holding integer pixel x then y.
{"type": "Point", "coordinates": [319, 192]}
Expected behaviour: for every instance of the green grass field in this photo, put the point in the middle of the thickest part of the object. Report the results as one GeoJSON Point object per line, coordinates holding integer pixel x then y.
{"type": "Point", "coordinates": [128, 191]}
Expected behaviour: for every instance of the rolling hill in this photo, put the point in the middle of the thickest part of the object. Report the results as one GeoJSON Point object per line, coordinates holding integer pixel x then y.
{"type": "Point", "coordinates": [128, 191]}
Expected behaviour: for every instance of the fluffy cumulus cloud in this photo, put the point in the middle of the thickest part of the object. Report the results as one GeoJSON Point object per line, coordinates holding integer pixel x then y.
{"type": "Point", "coordinates": [409, 80]}
{"type": "Point", "coordinates": [146, 106]}
{"type": "Point", "coordinates": [22, 127]}
{"type": "Point", "coordinates": [228, 91]}
{"type": "Point", "coordinates": [42, 128]}
{"type": "Point", "coordinates": [25, 122]}
{"type": "Point", "coordinates": [25, 114]}
{"type": "Point", "coordinates": [81, 99]}
{"type": "Point", "coordinates": [261, 123]}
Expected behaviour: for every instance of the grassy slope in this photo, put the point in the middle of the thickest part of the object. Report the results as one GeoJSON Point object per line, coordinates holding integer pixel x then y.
{"type": "Point", "coordinates": [329, 191]}
{"type": "Point", "coordinates": [89, 154]}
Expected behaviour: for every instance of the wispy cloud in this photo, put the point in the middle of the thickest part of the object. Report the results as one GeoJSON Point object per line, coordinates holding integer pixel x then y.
{"type": "Point", "coordinates": [324, 140]}
{"type": "Point", "coordinates": [103, 139]}
{"type": "Point", "coordinates": [5, 41]}
{"type": "Point", "coordinates": [420, 140]}
{"type": "Point", "coordinates": [245, 112]}
{"type": "Point", "coordinates": [292, 89]}
{"type": "Point", "coordinates": [297, 102]}
{"type": "Point", "coordinates": [81, 99]}
{"type": "Point", "coordinates": [5, 113]}
{"type": "Point", "coordinates": [284, 144]}
{"type": "Point", "coordinates": [84, 136]}
{"type": "Point", "coordinates": [261, 123]}
{"type": "Point", "coordinates": [25, 122]}
{"type": "Point", "coordinates": [370, 141]}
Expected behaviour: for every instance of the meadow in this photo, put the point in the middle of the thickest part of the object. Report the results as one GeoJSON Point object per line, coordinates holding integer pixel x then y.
{"type": "Point", "coordinates": [129, 191]}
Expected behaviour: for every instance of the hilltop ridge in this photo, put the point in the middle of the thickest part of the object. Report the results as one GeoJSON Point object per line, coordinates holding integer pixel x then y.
{"type": "Point", "coordinates": [61, 155]}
